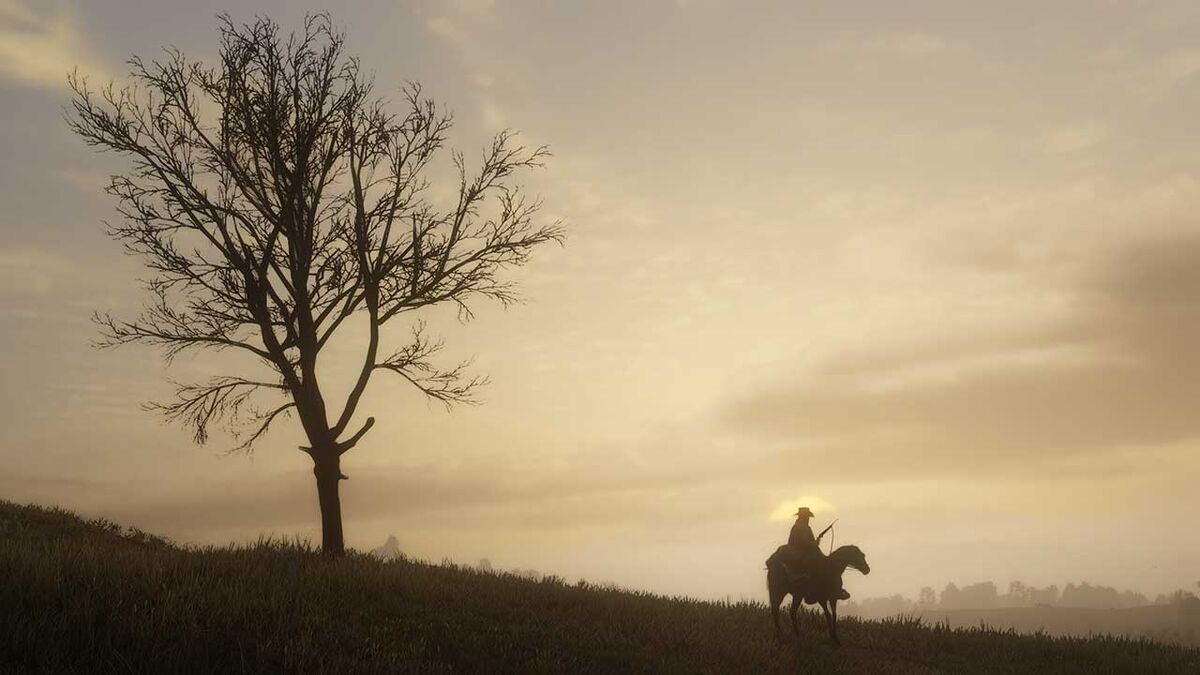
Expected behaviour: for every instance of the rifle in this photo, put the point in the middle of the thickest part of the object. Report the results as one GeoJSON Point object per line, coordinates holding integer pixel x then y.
{"type": "Point", "coordinates": [825, 530]}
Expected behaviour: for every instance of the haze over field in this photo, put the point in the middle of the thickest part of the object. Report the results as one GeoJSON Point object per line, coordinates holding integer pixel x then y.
{"type": "Point", "coordinates": [932, 270]}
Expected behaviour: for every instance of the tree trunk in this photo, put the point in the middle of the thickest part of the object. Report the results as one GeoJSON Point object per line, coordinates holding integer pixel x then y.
{"type": "Point", "coordinates": [329, 475]}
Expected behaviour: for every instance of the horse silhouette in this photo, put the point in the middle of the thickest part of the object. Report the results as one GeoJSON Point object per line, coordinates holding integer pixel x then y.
{"type": "Point", "coordinates": [818, 583]}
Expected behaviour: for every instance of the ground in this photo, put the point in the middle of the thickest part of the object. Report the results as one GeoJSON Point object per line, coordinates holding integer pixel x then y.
{"type": "Point", "coordinates": [91, 596]}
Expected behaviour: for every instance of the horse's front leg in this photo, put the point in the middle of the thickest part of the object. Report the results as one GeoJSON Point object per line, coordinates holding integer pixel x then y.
{"type": "Point", "coordinates": [796, 600]}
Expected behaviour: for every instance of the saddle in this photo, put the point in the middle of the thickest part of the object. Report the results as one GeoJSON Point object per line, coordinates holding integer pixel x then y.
{"type": "Point", "coordinates": [798, 563]}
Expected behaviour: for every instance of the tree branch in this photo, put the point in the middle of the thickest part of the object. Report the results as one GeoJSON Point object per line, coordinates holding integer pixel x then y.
{"type": "Point", "coordinates": [274, 197]}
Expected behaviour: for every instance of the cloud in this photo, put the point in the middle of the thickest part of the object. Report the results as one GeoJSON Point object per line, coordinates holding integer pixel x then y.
{"type": "Point", "coordinates": [1177, 67]}
{"type": "Point", "coordinates": [493, 117]}
{"type": "Point", "coordinates": [688, 4]}
{"type": "Point", "coordinates": [891, 44]}
{"type": "Point", "coordinates": [604, 490]}
{"type": "Point", "coordinates": [455, 21]}
{"type": "Point", "coordinates": [1077, 137]}
{"type": "Point", "coordinates": [30, 271]}
{"type": "Point", "coordinates": [460, 25]}
{"type": "Point", "coordinates": [41, 46]}
{"type": "Point", "coordinates": [86, 182]}
{"type": "Point", "coordinates": [54, 278]}
{"type": "Point", "coordinates": [448, 30]}
{"type": "Point", "coordinates": [1120, 373]}
{"type": "Point", "coordinates": [786, 510]}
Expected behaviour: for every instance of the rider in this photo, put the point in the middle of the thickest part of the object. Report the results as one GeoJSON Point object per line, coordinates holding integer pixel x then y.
{"type": "Point", "coordinates": [807, 548]}
{"type": "Point", "coordinates": [802, 535]}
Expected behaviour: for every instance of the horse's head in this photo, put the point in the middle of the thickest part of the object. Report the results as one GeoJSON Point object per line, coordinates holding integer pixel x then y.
{"type": "Point", "coordinates": [852, 556]}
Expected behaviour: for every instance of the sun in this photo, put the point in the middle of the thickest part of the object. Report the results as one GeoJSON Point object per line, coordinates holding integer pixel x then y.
{"type": "Point", "coordinates": [787, 509]}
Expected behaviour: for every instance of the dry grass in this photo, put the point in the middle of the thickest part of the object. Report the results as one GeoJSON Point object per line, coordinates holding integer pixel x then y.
{"type": "Point", "coordinates": [80, 596]}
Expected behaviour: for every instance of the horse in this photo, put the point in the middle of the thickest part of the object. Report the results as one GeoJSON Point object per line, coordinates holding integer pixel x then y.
{"type": "Point", "coordinates": [821, 584]}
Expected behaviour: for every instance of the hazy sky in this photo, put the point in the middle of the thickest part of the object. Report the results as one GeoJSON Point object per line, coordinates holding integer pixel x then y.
{"type": "Point", "coordinates": [932, 268]}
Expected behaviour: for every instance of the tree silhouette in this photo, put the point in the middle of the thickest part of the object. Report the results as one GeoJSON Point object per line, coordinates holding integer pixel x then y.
{"type": "Point", "coordinates": [276, 201]}
{"type": "Point", "coordinates": [927, 597]}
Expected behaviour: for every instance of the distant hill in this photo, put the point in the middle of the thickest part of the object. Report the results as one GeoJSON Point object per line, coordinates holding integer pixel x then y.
{"type": "Point", "coordinates": [91, 596]}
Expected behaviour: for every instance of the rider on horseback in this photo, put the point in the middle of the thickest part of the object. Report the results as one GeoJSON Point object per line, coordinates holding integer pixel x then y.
{"type": "Point", "coordinates": [805, 548]}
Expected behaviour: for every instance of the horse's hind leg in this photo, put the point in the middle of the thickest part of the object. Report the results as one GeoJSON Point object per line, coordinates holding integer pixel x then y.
{"type": "Point", "coordinates": [831, 623]}
{"type": "Point", "coordinates": [776, 595]}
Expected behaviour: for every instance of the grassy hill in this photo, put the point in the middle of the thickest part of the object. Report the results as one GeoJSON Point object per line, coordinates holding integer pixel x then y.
{"type": "Point", "coordinates": [80, 596]}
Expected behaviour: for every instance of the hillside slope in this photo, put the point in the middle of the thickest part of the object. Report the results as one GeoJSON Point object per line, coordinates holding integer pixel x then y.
{"type": "Point", "coordinates": [80, 596]}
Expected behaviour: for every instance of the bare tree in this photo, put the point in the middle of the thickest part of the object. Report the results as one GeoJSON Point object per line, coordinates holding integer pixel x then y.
{"type": "Point", "coordinates": [277, 200]}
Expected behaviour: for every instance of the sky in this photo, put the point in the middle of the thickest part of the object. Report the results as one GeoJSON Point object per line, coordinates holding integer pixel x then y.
{"type": "Point", "coordinates": [930, 268]}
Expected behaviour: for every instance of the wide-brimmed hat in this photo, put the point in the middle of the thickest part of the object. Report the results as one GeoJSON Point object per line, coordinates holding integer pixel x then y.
{"type": "Point", "coordinates": [804, 511]}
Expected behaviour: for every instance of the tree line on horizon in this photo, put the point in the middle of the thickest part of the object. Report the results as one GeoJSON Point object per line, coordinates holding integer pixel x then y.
{"type": "Point", "coordinates": [986, 595]}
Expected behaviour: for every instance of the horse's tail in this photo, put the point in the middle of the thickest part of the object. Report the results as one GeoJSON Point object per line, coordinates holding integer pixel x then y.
{"type": "Point", "coordinates": [771, 563]}
{"type": "Point", "coordinates": [776, 568]}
